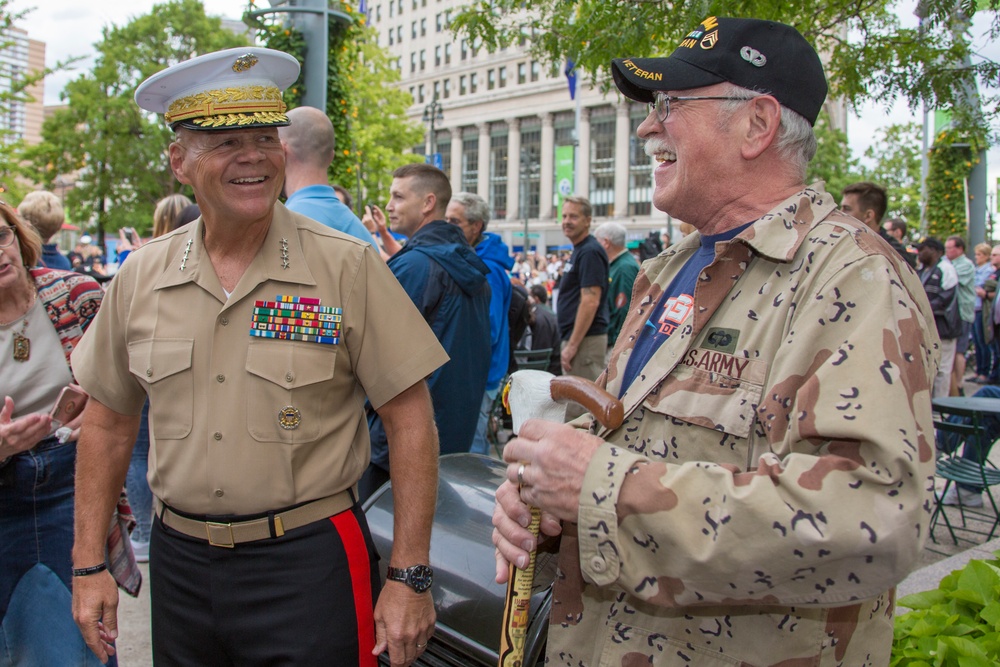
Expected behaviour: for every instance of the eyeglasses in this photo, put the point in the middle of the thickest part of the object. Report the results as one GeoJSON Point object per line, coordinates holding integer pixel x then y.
{"type": "Point", "coordinates": [6, 236]}
{"type": "Point", "coordinates": [661, 104]}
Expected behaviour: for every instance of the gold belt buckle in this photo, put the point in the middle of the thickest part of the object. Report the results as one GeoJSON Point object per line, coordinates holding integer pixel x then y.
{"type": "Point", "coordinates": [220, 534]}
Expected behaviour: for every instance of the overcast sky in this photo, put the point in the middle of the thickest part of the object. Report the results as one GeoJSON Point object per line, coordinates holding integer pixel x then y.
{"type": "Point", "coordinates": [71, 27]}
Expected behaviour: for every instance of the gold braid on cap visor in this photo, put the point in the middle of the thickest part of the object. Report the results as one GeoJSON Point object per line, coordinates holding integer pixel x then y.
{"type": "Point", "coordinates": [228, 107]}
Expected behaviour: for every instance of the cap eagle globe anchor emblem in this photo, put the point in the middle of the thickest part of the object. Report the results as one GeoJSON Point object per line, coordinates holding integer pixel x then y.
{"type": "Point", "coordinates": [245, 62]}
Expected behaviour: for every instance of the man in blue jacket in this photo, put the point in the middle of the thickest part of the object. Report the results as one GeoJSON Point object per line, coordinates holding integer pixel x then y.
{"type": "Point", "coordinates": [447, 282]}
{"type": "Point", "coordinates": [471, 214]}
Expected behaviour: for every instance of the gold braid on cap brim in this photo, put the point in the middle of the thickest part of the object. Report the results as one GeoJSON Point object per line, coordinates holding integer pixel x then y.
{"type": "Point", "coordinates": [229, 107]}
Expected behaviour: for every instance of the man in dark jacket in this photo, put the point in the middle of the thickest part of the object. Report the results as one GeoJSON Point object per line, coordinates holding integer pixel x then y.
{"type": "Point", "coordinates": [470, 213]}
{"type": "Point", "coordinates": [447, 281]}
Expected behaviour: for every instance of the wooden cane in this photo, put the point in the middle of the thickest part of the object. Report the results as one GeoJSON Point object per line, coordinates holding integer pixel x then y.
{"type": "Point", "coordinates": [537, 393]}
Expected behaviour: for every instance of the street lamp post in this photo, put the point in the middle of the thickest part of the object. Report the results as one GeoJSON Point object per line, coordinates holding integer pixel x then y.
{"type": "Point", "coordinates": [433, 114]}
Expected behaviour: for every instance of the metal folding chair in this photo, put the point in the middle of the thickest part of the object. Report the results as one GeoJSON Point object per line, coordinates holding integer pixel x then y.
{"type": "Point", "coordinates": [963, 429]}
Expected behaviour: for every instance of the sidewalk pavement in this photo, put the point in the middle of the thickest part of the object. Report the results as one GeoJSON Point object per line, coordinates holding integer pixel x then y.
{"type": "Point", "coordinates": [928, 577]}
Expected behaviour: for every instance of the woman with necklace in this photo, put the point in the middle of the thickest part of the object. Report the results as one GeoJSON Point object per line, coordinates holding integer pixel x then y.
{"type": "Point", "coordinates": [43, 314]}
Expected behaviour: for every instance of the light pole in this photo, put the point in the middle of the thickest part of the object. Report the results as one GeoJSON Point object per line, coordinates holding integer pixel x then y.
{"type": "Point", "coordinates": [433, 114]}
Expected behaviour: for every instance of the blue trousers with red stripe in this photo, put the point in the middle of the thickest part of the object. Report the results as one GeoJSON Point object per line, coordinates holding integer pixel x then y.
{"type": "Point", "coordinates": [303, 599]}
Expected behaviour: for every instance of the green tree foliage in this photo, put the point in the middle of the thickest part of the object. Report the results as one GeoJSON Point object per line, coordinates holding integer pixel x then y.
{"type": "Point", "coordinates": [13, 89]}
{"type": "Point", "coordinates": [896, 157]}
{"type": "Point", "coordinates": [881, 62]}
{"type": "Point", "coordinates": [833, 162]}
{"type": "Point", "coordinates": [118, 150]}
{"type": "Point", "coordinates": [368, 112]}
{"type": "Point", "coordinates": [952, 157]}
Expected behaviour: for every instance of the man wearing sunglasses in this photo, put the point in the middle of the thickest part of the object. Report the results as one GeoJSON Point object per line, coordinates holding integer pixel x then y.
{"type": "Point", "coordinates": [756, 506]}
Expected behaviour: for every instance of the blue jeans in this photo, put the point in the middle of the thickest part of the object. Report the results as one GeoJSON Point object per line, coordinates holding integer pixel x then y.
{"type": "Point", "coordinates": [984, 352]}
{"type": "Point", "coordinates": [140, 498]}
{"type": "Point", "coordinates": [974, 451]}
{"type": "Point", "coordinates": [36, 537]}
{"type": "Point", "coordinates": [479, 443]}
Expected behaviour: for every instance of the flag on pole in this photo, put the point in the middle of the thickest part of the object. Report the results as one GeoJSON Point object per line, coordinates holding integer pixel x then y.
{"type": "Point", "coordinates": [570, 72]}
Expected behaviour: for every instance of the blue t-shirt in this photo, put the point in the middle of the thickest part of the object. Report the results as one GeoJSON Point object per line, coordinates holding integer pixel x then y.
{"type": "Point", "coordinates": [675, 304]}
{"type": "Point", "coordinates": [320, 203]}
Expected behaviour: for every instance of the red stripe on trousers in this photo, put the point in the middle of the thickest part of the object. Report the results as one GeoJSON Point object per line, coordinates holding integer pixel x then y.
{"type": "Point", "coordinates": [358, 564]}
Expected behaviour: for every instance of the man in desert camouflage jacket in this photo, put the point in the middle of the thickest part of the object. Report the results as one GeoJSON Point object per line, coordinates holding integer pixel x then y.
{"type": "Point", "coordinates": [770, 484]}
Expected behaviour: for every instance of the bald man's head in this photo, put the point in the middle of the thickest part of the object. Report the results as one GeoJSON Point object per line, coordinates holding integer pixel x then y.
{"type": "Point", "coordinates": [309, 137]}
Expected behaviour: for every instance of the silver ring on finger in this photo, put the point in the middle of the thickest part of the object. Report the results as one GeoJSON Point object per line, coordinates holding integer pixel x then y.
{"type": "Point", "coordinates": [422, 646]}
{"type": "Point", "coordinates": [520, 476]}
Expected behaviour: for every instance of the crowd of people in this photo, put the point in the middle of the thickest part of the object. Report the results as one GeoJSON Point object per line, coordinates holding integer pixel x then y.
{"type": "Point", "coordinates": [257, 369]}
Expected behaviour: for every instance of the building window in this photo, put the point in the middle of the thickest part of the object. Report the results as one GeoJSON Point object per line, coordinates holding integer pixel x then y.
{"type": "Point", "coordinates": [464, 46]}
{"type": "Point", "coordinates": [413, 62]}
{"type": "Point", "coordinates": [399, 7]}
{"type": "Point", "coordinates": [447, 53]}
{"type": "Point", "coordinates": [423, 27]}
{"type": "Point", "coordinates": [602, 160]}
{"type": "Point", "coordinates": [491, 79]}
{"type": "Point", "coordinates": [420, 94]}
{"type": "Point", "coordinates": [378, 13]}
{"type": "Point", "coordinates": [439, 21]}
{"type": "Point", "coordinates": [502, 74]}
{"type": "Point", "coordinates": [640, 173]}
{"type": "Point", "coordinates": [531, 168]}
{"type": "Point", "coordinates": [461, 85]}
{"type": "Point", "coordinates": [498, 170]}
{"type": "Point", "coordinates": [392, 9]}
{"type": "Point", "coordinates": [535, 70]}
{"type": "Point", "coordinates": [399, 34]}
{"type": "Point", "coordinates": [437, 90]}
{"type": "Point", "coordinates": [413, 30]}
{"type": "Point", "coordinates": [437, 56]}
{"type": "Point", "coordinates": [443, 147]}
{"type": "Point", "coordinates": [447, 88]}
{"type": "Point", "coordinates": [470, 160]}
{"type": "Point", "coordinates": [473, 82]}
{"type": "Point", "coordinates": [414, 4]}
{"type": "Point", "coordinates": [423, 59]}
{"type": "Point", "coordinates": [522, 72]}
{"type": "Point", "coordinates": [447, 18]}
{"type": "Point", "coordinates": [391, 37]}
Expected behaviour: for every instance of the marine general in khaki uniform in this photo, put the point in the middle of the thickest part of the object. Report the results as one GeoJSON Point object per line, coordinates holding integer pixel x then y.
{"type": "Point", "coordinates": [257, 335]}
{"type": "Point", "coordinates": [770, 484]}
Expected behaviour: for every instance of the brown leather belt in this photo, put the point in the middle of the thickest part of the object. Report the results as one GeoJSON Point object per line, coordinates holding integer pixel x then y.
{"type": "Point", "coordinates": [229, 535]}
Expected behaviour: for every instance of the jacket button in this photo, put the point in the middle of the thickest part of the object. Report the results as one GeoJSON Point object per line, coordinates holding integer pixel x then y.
{"type": "Point", "coordinates": [597, 564]}
{"type": "Point", "coordinates": [149, 372]}
{"type": "Point", "coordinates": [219, 493]}
{"type": "Point", "coordinates": [224, 321]}
{"type": "Point", "coordinates": [289, 376]}
{"type": "Point", "coordinates": [217, 435]}
{"type": "Point", "coordinates": [220, 377]}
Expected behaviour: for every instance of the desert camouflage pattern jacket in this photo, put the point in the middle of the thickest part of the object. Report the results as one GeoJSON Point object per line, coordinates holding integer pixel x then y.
{"type": "Point", "coordinates": [771, 482]}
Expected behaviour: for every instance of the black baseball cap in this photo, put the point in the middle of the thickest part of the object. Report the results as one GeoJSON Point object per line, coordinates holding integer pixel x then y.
{"type": "Point", "coordinates": [764, 56]}
{"type": "Point", "coordinates": [932, 243]}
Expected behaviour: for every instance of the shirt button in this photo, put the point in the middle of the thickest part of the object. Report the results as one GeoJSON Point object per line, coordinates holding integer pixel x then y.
{"type": "Point", "coordinates": [220, 377]}
{"type": "Point", "coordinates": [289, 376]}
{"type": "Point", "coordinates": [149, 372]}
{"type": "Point", "coordinates": [224, 321]}
{"type": "Point", "coordinates": [219, 493]}
{"type": "Point", "coordinates": [217, 435]}
{"type": "Point", "coordinates": [597, 564]}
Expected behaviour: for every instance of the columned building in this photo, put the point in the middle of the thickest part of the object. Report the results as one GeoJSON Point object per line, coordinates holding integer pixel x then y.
{"type": "Point", "coordinates": [508, 128]}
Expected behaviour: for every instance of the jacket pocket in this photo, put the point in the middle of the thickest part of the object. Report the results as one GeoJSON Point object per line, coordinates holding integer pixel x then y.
{"type": "Point", "coordinates": [163, 366]}
{"type": "Point", "coordinates": [289, 389]}
{"type": "Point", "coordinates": [714, 390]}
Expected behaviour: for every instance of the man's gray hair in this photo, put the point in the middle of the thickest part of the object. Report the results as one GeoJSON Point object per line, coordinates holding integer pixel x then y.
{"type": "Point", "coordinates": [796, 140]}
{"type": "Point", "coordinates": [611, 232]}
{"type": "Point", "coordinates": [476, 208]}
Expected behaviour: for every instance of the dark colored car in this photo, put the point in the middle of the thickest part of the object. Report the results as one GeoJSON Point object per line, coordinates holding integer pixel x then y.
{"type": "Point", "coordinates": [468, 602]}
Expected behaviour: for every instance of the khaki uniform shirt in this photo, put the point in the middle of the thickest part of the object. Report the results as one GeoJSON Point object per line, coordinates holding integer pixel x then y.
{"type": "Point", "coordinates": [241, 424]}
{"type": "Point", "coordinates": [770, 484]}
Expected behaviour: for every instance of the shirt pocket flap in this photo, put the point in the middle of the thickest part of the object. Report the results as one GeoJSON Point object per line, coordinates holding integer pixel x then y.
{"type": "Point", "coordinates": [291, 365]}
{"type": "Point", "coordinates": [723, 397]}
{"type": "Point", "coordinates": [153, 360]}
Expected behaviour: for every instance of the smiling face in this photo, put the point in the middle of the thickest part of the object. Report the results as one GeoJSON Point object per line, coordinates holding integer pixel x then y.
{"type": "Point", "coordinates": [695, 155]}
{"type": "Point", "coordinates": [236, 174]}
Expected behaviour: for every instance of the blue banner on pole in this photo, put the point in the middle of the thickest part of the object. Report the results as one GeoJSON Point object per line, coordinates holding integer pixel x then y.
{"type": "Point", "coordinates": [434, 159]}
{"type": "Point", "coordinates": [570, 72]}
